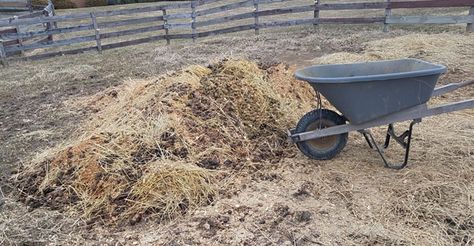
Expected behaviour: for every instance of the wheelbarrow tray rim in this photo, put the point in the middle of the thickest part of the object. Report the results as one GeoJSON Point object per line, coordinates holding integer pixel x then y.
{"type": "Point", "coordinates": [305, 73]}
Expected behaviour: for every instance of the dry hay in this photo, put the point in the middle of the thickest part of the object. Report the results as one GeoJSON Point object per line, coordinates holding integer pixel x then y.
{"type": "Point", "coordinates": [148, 148]}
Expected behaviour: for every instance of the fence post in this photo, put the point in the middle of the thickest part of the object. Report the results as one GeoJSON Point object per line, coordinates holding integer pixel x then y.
{"type": "Point", "coordinates": [388, 12]}
{"type": "Point", "coordinates": [165, 24]}
{"type": "Point", "coordinates": [316, 11]}
{"type": "Point", "coordinates": [50, 25]}
{"type": "Point", "coordinates": [255, 12]}
{"type": "Point", "coordinates": [97, 33]}
{"type": "Point", "coordinates": [18, 31]}
{"type": "Point", "coordinates": [3, 54]}
{"type": "Point", "coordinates": [470, 27]}
{"type": "Point", "coordinates": [30, 6]}
{"type": "Point", "coordinates": [53, 13]}
{"type": "Point", "coordinates": [193, 19]}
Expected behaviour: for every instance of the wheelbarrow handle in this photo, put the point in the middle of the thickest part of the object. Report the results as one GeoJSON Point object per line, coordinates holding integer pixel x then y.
{"type": "Point", "coordinates": [451, 87]}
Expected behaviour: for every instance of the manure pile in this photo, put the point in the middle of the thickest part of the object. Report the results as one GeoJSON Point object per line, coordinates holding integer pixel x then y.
{"type": "Point", "coordinates": [149, 148]}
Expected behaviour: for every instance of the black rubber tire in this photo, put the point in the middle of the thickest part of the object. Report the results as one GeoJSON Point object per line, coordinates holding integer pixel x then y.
{"type": "Point", "coordinates": [335, 144]}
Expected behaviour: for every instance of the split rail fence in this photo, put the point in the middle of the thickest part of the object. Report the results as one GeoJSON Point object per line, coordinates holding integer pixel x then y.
{"type": "Point", "coordinates": [195, 18]}
{"type": "Point", "coordinates": [14, 30]}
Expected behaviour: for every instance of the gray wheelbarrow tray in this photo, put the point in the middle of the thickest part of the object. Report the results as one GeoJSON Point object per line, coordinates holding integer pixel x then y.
{"type": "Point", "coordinates": [379, 93]}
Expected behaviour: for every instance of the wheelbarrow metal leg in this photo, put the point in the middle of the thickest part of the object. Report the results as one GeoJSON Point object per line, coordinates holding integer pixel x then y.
{"type": "Point", "coordinates": [387, 138]}
{"type": "Point", "coordinates": [404, 140]}
{"type": "Point", "coordinates": [365, 134]}
{"type": "Point", "coordinates": [400, 139]}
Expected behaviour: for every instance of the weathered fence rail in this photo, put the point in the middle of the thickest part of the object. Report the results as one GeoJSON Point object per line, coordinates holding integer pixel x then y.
{"type": "Point", "coordinates": [100, 30]}
{"type": "Point", "coordinates": [16, 5]}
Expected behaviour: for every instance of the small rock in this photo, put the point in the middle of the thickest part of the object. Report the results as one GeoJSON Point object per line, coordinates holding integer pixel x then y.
{"type": "Point", "coordinates": [207, 226]}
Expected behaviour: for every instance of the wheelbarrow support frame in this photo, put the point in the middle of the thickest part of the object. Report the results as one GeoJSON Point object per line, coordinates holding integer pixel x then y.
{"type": "Point", "coordinates": [403, 140]}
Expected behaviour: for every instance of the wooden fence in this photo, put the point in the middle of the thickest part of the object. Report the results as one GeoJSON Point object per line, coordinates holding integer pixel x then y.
{"type": "Point", "coordinates": [159, 18]}
{"type": "Point", "coordinates": [18, 29]}
{"type": "Point", "coordinates": [16, 5]}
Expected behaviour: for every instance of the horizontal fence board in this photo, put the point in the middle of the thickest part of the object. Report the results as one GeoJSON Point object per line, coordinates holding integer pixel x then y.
{"type": "Point", "coordinates": [178, 25]}
{"type": "Point", "coordinates": [131, 31]}
{"type": "Point", "coordinates": [289, 10]}
{"type": "Point", "coordinates": [224, 19]}
{"type": "Point", "coordinates": [431, 4]}
{"type": "Point", "coordinates": [13, 4]}
{"type": "Point", "coordinates": [10, 30]}
{"type": "Point", "coordinates": [322, 21]}
{"type": "Point", "coordinates": [9, 43]}
{"type": "Point", "coordinates": [56, 53]}
{"type": "Point", "coordinates": [346, 6]}
{"type": "Point", "coordinates": [429, 19]}
{"type": "Point", "coordinates": [204, 2]}
{"type": "Point", "coordinates": [287, 23]}
{"type": "Point", "coordinates": [224, 8]}
{"type": "Point", "coordinates": [356, 20]}
{"type": "Point", "coordinates": [130, 22]}
{"type": "Point", "coordinates": [38, 20]}
{"type": "Point", "coordinates": [226, 30]}
{"type": "Point", "coordinates": [247, 3]}
{"type": "Point", "coordinates": [133, 42]}
{"type": "Point", "coordinates": [14, 9]}
{"type": "Point", "coordinates": [105, 47]}
{"type": "Point", "coordinates": [57, 43]}
{"type": "Point", "coordinates": [152, 8]}
{"type": "Point", "coordinates": [56, 31]}
{"type": "Point", "coordinates": [31, 15]}
{"type": "Point", "coordinates": [13, 1]}
{"type": "Point", "coordinates": [177, 16]}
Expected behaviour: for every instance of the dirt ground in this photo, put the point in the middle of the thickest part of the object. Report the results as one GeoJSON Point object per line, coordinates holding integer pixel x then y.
{"type": "Point", "coordinates": [350, 200]}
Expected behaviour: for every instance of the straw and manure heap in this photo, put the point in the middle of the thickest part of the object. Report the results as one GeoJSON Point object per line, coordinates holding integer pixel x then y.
{"type": "Point", "coordinates": [149, 149]}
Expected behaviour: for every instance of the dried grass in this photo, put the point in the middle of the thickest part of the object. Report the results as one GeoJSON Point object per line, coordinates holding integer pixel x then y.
{"type": "Point", "coordinates": [140, 152]}
{"type": "Point", "coordinates": [445, 48]}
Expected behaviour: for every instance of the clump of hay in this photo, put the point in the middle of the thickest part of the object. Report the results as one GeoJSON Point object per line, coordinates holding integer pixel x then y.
{"type": "Point", "coordinates": [148, 148]}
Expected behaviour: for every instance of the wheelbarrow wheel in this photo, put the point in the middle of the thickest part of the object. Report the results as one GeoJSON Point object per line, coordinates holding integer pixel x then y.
{"type": "Point", "coordinates": [324, 148]}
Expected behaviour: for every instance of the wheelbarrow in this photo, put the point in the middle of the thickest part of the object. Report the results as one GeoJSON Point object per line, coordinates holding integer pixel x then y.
{"type": "Point", "coordinates": [370, 94]}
